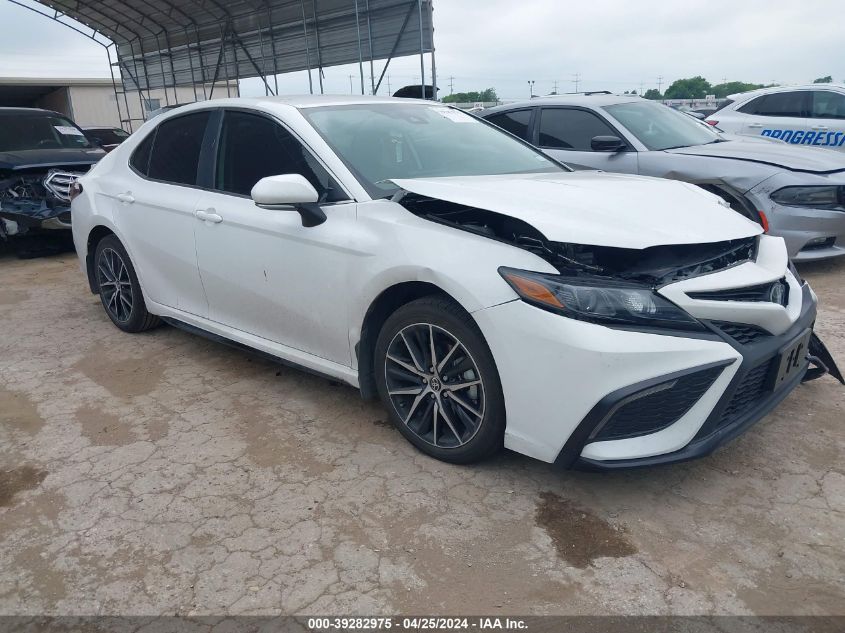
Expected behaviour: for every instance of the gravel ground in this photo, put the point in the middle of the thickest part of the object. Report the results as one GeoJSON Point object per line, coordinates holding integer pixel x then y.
{"type": "Point", "coordinates": [162, 473]}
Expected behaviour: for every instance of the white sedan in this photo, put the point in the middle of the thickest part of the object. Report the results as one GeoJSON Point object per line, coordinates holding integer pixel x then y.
{"type": "Point", "coordinates": [486, 293]}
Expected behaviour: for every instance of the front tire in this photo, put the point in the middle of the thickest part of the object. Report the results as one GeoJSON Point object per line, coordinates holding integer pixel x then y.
{"type": "Point", "coordinates": [120, 292]}
{"type": "Point", "coordinates": [438, 380]}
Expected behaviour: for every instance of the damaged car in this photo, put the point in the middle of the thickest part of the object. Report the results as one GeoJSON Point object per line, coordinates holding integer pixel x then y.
{"type": "Point", "coordinates": [42, 153]}
{"type": "Point", "coordinates": [795, 193]}
{"type": "Point", "coordinates": [489, 295]}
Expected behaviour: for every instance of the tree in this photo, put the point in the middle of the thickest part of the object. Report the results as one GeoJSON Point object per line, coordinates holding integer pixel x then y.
{"type": "Point", "coordinates": [633, 92]}
{"type": "Point", "coordinates": [652, 93]}
{"type": "Point", "coordinates": [472, 97]}
{"type": "Point", "coordinates": [733, 87]}
{"type": "Point", "coordinates": [823, 80]}
{"type": "Point", "coordinates": [690, 88]}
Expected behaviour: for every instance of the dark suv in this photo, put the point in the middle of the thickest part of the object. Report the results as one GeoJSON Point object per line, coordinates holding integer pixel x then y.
{"type": "Point", "coordinates": [41, 154]}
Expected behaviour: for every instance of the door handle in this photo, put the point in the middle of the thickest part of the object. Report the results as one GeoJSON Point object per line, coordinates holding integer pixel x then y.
{"type": "Point", "coordinates": [208, 216]}
{"type": "Point", "coordinates": [755, 125]}
{"type": "Point", "coordinates": [126, 198]}
{"type": "Point", "coordinates": [821, 127]}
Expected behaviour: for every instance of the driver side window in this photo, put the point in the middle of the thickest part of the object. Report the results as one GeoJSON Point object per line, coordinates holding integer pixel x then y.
{"type": "Point", "coordinates": [562, 128]}
{"type": "Point", "coordinates": [253, 147]}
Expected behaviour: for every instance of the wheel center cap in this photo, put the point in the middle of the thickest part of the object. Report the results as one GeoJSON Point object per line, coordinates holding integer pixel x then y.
{"type": "Point", "coordinates": [435, 384]}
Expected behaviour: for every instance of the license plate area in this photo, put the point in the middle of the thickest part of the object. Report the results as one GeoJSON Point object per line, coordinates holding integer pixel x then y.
{"type": "Point", "coordinates": [792, 360]}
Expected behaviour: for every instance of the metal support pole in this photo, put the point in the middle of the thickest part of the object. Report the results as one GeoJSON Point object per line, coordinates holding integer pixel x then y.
{"type": "Point", "coordinates": [307, 49]}
{"type": "Point", "coordinates": [360, 56]}
{"type": "Point", "coordinates": [395, 45]}
{"type": "Point", "coordinates": [370, 43]}
{"type": "Point", "coordinates": [433, 66]}
{"type": "Point", "coordinates": [317, 35]}
{"type": "Point", "coordinates": [272, 48]}
{"type": "Point", "coordinates": [422, 51]}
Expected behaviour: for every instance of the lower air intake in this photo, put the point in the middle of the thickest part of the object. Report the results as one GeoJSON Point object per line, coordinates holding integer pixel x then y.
{"type": "Point", "coordinates": [657, 407]}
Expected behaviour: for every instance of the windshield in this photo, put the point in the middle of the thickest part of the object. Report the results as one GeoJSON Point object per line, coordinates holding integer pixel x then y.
{"type": "Point", "coordinates": [39, 131]}
{"type": "Point", "coordinates": [397, 140]}
{"type": "Point", "coordinates": [659, 127]}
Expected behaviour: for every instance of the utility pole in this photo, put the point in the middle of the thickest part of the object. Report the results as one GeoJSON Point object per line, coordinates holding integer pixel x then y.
{"type": "Point", "coordinates": [389, 91]}
{"type": "Point", "coordinates": [555, 90]}
{"type": "Point", "coordinates": [530, 88]}
{"type": "Point", "coordinates": [659, 83]}
{"type": "Point", "coordinates": [724, 80]}
{"type": "Point", "coordinates": [351, 89]}
{"type": "Point", "coordinates": [642, 83]}
{"type": "Point", "coordinates": [577, 80]}
{"type": "Point", "coordinates": [451, 84]}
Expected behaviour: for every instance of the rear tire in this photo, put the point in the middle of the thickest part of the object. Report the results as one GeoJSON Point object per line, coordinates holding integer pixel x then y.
{"type": "Point", "coordinates": [437, 377]}
{"type": "Point", "coordinates": [120, 292]}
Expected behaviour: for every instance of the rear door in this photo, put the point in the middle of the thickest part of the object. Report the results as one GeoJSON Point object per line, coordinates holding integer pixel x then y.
{"type": "Point", "coordinates": [517, 122]}
{"type": "Point", "coordinates": [828, 113]}
{"type": "Point", "coordinates": [779, 115]}
{"type": "Point", "coordinates": [566, 134]}
{"type": "Point", "coordinates": [154, 204]}
{"type": "Point", "coordinates": [263, 272]}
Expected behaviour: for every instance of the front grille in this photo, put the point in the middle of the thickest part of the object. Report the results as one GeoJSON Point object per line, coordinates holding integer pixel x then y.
{"type": "Point", "coordinates": [774, 292]}
{"type": "Point", "coordinates": [657, 407]}
{"type": "Point", "coordinates": [58, 183]}
{"type": "Point", "coordinates": [750, 390]}
{"type": "Point", "coordinates": [742, 333]}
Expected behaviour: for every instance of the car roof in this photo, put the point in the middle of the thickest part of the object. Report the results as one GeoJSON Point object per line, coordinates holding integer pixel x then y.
{"type": "Point", "coordinates": [20, 111]}
{"type": "Point", "coordinates": [595, 100]}
{"type": "Point", "coordinates": [762, 91]}
{"type": "Point", "coordinates": [314, 101]}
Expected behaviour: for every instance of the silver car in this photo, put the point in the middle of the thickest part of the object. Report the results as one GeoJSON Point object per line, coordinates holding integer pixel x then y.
{"type": "Point", "coordinates": [797, 193]}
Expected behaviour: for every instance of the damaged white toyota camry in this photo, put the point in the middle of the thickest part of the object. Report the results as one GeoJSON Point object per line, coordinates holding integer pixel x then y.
{"type": "Point", "coordinates": [488, 295]}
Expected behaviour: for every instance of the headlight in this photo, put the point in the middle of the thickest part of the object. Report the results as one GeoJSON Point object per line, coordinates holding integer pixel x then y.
{"type": "Point", "coordinates": [826, 196]}
{"type": "Point", "coordinates": [598, 300]}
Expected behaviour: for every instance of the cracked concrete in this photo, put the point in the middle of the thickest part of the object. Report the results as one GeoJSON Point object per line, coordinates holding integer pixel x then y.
{"type": "Point", "coordinates": [165, 474]}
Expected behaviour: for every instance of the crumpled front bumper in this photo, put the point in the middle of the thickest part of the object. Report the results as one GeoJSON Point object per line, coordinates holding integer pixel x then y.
{"type": "Point", "coordinates": [24, 217]}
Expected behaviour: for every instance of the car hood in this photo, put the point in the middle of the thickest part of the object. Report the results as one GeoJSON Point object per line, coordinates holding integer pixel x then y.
{"type": "Point", "coordinates": [596, 208]}
{"type": "Point", "coordinates": [805, 159]}
{"type": "Point", "coordinates": [29, 158]}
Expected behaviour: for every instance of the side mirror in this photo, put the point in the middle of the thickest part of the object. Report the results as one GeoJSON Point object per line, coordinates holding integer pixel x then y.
{"type": "Point", "coordinates": [607, 144]}
{"type": "Point", "coordinates": [289, 190]}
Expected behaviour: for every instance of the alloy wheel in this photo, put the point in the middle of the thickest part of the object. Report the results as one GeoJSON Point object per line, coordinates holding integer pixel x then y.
{"type": "Point", "coordinates": [115, 285]}
{"type": "Point", "coordinates": [434, 385]}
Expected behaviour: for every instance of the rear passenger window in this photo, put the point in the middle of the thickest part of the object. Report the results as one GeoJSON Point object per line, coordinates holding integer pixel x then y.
{"type": "Point", "coordinates": [794, 104]}
{"type": "Point", "coordinates": [828, 105]}
{"type": "Point", "coordinates": [140, 160]}
{"type": "Point", "coordinates": [562, 128]}
{"type": "Point", "coordinates": [253, 147]}
{"type": "Point", "coordinates": [176, 151]}
{"type": "Point", "coordinates": [515, 122]}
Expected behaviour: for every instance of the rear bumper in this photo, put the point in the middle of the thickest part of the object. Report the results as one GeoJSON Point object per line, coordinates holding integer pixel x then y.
{"type": "Point", "coordinates": [727, 419]}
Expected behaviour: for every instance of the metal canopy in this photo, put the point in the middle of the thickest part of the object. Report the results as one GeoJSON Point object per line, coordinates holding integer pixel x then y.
{"type": "Point", "coordinates": [161, 44]}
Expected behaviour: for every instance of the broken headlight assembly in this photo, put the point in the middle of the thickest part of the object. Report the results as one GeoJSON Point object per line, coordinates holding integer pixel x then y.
{"type": "Point", "coordinates": [597, 300]}
{"type": "Point", "coordinates": [824, 197]}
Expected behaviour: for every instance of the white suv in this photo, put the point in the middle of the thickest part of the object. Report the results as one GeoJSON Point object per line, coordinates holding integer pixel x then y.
{"type": "Point", "coordinates": [811, 115]}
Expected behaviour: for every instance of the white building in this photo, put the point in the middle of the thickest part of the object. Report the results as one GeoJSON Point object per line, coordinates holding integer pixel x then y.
{"type": "Point", "coordinates": [92, 102]}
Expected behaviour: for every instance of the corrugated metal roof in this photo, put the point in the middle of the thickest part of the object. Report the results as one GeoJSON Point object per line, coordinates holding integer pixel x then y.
{"type": "Point", "coordinates": [164, 43]}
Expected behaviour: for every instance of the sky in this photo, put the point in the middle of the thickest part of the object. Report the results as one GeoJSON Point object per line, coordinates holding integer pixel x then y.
{"type": "Point", "coordinates": [615, 45]}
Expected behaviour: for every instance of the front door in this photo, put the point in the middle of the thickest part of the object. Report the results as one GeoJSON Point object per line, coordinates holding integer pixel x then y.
{"type": "Point", "coordinates": [566, 134]}
{"type": "Point", "coordinates": [263, 272]}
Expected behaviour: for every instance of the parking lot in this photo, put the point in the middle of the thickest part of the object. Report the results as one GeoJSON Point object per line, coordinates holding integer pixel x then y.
{"type": "Point", "coordinates": [163, 473]}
